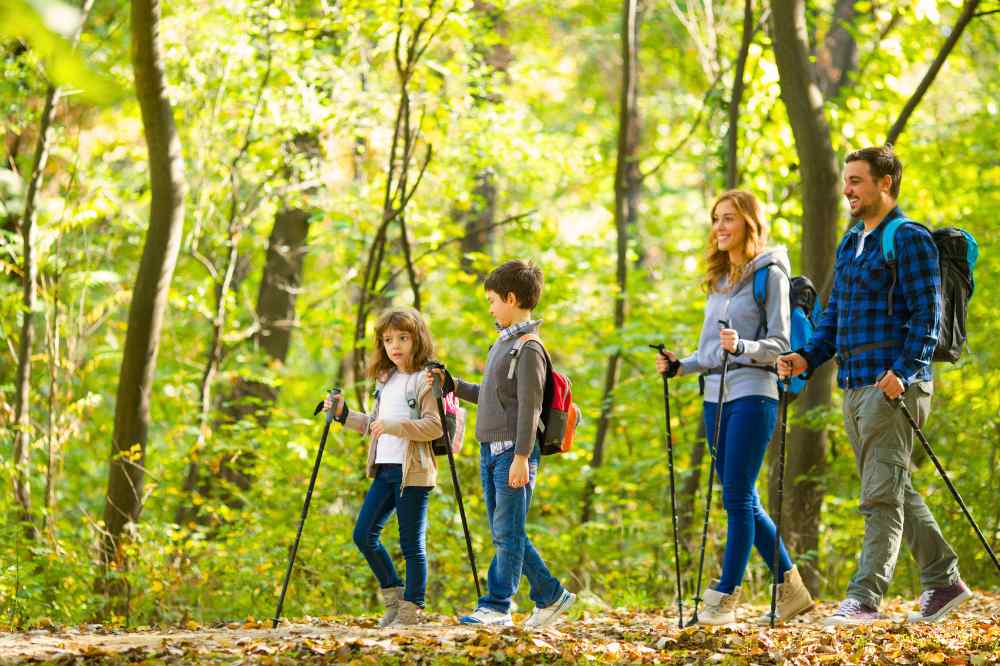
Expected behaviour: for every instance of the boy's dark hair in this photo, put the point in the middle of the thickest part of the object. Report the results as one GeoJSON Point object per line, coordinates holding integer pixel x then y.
{"type": "Point", "coordinates": [882, 161]}
{"type": "Point", "coordinates": [522, 278]}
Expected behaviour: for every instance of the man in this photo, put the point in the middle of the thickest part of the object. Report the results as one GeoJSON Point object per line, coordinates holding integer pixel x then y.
{"type": "Point", "coordinates": [882, 324]}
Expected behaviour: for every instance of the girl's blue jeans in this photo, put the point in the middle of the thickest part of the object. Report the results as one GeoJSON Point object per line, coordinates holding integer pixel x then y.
{"type": "Point", "coordinates": [383, 498]}
{"type": "Point", "coordinates": [747, 426]}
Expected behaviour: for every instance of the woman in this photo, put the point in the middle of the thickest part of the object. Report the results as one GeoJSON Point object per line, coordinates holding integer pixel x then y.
{"type": "Point", "coordinates": [737, 249]}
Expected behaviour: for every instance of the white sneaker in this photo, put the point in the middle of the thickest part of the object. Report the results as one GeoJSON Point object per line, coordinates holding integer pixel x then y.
{"type": "Point", "coordinates": [489, 617]}
{"type": "Point", "coordinates": [544, 617]}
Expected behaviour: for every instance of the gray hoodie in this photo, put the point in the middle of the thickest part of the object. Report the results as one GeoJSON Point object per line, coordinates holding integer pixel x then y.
{"type": "Point", "coordinates": [739, 308]}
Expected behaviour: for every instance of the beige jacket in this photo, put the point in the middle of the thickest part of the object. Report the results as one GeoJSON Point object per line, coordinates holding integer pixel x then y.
{"type": "Point", "coordinates": [419, 465]}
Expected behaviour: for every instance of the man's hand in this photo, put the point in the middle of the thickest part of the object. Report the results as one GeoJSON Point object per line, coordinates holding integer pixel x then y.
{"type": "Point", "coordinates": [790, 365]}
{"type": "Point", "coordinates": [890, 385]}
{"type": "Point", "coordinates": [376, 428]}
{"type": "Point", "coordinates": [518, 475]}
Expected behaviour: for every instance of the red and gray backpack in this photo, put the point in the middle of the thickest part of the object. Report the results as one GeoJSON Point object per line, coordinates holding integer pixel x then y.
{"type": "Point", "coordinates": [560, 416]}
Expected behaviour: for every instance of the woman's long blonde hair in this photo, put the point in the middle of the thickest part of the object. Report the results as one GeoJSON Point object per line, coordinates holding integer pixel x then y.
{"type": "Point", "coordinates": [718, 264]}
{"type": "Point", "coordinates": [406, 320]}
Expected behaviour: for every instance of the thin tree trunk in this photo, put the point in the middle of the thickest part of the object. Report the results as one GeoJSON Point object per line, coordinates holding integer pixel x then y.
{"type": "Point", "coordinates": [736, 99]}
{"type": "Point", "coordinates": [149, 297]}
{"type": "Point", "coordinates": [838, 56]}
{"type": "Point", "coordinates": [22, 413]}
{"type": "Point", "coordinates": [628, 181]}
{"type": "Point", "coordinates": [968, 13]}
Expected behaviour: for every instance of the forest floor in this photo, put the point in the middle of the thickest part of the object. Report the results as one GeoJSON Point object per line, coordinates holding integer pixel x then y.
{"type": "Point", "coordinates": [971, 635]}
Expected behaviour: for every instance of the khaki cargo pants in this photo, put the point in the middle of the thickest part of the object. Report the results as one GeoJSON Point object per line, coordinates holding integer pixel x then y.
{"type": "Point", "coordinates": [893, 511]}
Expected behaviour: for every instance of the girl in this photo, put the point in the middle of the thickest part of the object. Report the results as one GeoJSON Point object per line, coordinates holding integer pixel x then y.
{"type": "Point", "coordinates": [400, 459]}
{"type": "Point", "coordinates": [736, 250]}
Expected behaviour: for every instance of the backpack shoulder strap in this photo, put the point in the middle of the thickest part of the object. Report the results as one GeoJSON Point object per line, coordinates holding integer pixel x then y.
{"type": "Point", "coordinates": [889, 239]}
{"type": "Point", "coordinates": [760, 294]}
{"type": "Point", "coordinates": [515, 352]}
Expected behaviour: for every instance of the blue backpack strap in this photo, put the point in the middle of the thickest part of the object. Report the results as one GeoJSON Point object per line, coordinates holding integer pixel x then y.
{"type": "Point", "coordinates": [760, 296]}
{"type": "Point", "coordinates": [889, 249]}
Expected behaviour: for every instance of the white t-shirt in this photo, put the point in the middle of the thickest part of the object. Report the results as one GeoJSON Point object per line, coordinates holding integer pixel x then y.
{"type": "Point", "coordinates": [389, 450]}
{"type": "Point", "coordinates": [861, 243]}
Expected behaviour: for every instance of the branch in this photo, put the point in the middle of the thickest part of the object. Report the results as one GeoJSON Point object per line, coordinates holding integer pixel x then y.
{"type": "Point", "coordinates": [968, 13]}
{"type": "Point", "coordinates": [440, 246]}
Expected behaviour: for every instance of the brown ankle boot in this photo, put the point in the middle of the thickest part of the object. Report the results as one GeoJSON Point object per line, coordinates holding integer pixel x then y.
{"type": "Point", "coordinates": [793, 599]}
{"type": "Point", "coordinates": [409, 614]}
{"type": "Point", "coordinates": [391, 596]}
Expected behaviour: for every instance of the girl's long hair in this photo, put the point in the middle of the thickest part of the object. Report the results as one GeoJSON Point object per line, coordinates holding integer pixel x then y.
{"type": "Point", "coordinates": [405, 320]}
{"type": "Point", "coordinates": [717, 261]}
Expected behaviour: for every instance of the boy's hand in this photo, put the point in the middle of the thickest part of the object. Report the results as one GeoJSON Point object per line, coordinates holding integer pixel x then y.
{"type": "Point", "coordinates": [329, 403]}
{"type": "Point", "coordinates": [790, 365]}
{"type": "Point", "coordinates": [447, 383]}
{"type": "Point", "coordinates": [518, 475]}
{"type": "Point", "coordinates": [376, 428]}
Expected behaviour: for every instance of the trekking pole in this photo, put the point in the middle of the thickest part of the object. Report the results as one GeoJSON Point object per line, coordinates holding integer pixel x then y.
{"type": "Point", "coordinates": [898, 402]}
{"type": "Point", "coordinates": [673, 500]}
{"type": "Point", "coordinates": [784, 387]}
{"type": "Point", "coordinates": [305, 506]}
{"type": "Point", "coordinates": [712, 447]}
{"type": "Point", "coordinates": [438, 389]}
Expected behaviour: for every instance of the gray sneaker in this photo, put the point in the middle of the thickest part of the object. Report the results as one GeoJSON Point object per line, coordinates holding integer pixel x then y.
{"type": "Point", "coordinates": [939, 601]}
{"type": "Point", "coordinates": [545, 617]}
{"type": "Point", "coordinates": [852, 611]}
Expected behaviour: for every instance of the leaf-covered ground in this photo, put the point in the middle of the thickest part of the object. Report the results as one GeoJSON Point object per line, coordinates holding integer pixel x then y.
{"type": "Point", "coordinates": [970, 636]}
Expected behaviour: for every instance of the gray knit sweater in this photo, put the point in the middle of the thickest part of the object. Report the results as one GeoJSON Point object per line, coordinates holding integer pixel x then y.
{"type": "Point", "coordinates": [508, 408]}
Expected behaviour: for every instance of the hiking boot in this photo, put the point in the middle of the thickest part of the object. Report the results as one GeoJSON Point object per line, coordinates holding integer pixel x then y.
{"type": "Point", "coordinates": [487, 616]}
{"type": "Point", "coordinates": [852, 611]}
{"type": "Point", "coordinates": [937, 602]}
{"type": "Point", "coordinates": [793, 598]}
{"type": "Point", "coordinates": [391, 596]}
{"type": "Point", "coordinates": [545, 617]}
{"type": "Point", "coordinates": [720, 608]}
{"type": "Point", "coordinates": [409, 614]}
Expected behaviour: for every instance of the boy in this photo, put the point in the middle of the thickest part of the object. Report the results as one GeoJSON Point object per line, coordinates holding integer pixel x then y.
{"type": "Point", "coordinates": [506, 427]}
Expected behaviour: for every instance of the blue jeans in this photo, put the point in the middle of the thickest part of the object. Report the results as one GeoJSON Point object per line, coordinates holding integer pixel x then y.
{"type": "Point", "coordinates": [411, 507]}
{"type": "Point", "coordinates": [747, 426]}
{"type": "Point", "coordinates": [507, 509]}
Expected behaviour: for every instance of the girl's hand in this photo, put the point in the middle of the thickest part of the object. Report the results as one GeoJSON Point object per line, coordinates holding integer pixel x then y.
{"type": "Point", "coordinates": [329, 403]}
{"type": "Point", "coordinates": [377, 428]}
{"type": "Point", "coordinates": [664, 361]}
{"type": "Point", "coordinates": [730, 340]}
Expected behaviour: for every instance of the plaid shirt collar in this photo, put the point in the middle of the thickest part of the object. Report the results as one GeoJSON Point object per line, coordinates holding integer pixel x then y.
{"type": "Point", "coordinates": [517, 329]}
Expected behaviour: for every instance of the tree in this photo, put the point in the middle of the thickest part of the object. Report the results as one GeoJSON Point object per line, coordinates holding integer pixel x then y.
{"type": "Point", "coordinates": [124, 499]}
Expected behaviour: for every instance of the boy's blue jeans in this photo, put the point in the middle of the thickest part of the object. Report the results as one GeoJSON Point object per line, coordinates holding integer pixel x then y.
{"type": "Point", "coordinates": [507, 509]}
{"type": "Point", "coordinates": [411, 507]}
{"type": "Point", "coordinates": [747, 426]}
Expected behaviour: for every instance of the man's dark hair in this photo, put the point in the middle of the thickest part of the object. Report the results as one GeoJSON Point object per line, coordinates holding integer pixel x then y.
{"type": "Point", "coordinates": [521, 278]}
{"type": "Point", "coordinates": [882, 161]}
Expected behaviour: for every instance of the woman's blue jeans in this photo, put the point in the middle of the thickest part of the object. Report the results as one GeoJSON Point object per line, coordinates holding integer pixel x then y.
{"type": "Point", "coordinates": [410, 506]}
{"type": "Point", "coordinates": [747, 426]}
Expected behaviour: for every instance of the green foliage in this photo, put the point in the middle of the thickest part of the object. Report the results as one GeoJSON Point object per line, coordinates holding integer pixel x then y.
{"type": "Point", "coordinates": [311, 91]}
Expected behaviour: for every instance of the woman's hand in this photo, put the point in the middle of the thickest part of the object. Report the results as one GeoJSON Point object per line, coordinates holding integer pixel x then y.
{"type": "Point", "coordinates": [730, 341]}
{"type": "Point", "coordinates": [664, 361]}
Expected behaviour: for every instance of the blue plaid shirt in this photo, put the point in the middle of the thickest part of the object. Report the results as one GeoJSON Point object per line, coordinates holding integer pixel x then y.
{"type": "Point", "coordinates": [858, 311]}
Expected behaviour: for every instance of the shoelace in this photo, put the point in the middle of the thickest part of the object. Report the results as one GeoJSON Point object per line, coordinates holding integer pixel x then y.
{"type": "Point", "coordinates": [848, 607]}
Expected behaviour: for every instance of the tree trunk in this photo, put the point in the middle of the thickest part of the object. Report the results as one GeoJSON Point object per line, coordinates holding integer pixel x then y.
{"type": "Point", "coordinates": [837, 58]}
{"type": "Point", "coordinates": [736, 99]}
{"type": "Point", "coordinates": [480, 219]}
{"type": "Point", "coordinates": [821, 204]}
{"type": "Point", "coordinates": [628, 181]}
{"type": "Point", "coordinates": [149, 297]}
{"type": "Point", "coordinates": [22, 405]}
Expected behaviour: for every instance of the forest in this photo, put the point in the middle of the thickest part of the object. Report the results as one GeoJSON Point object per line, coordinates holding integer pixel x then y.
{"type": "Point", "coordinates": [206, 205]}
